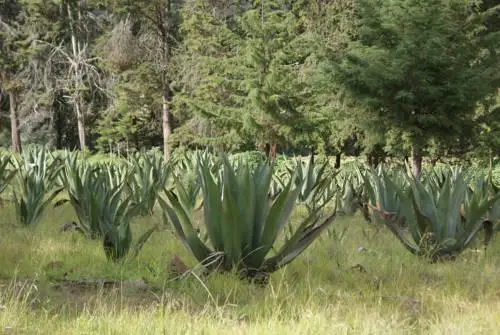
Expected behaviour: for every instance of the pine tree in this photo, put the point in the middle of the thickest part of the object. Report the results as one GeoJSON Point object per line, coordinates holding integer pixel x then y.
{"type": "Point", "coordinates": [207, 106]}
{"type": "Point", "coordinates": [420, 67]}
{"type": "Point", "coordinates": [247, 73]}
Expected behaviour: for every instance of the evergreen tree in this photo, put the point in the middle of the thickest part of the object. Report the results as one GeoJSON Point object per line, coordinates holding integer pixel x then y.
{"type": "Point", "coordinates": [248, 72]}
{"type": "Point", "coordinates": [155, 26]}
{"type": "Point", "coordinates": [209, 110]}
{"type": "Point", "coordinates": [330, 26]}
{"type": "Point", "coordinates": [420, 67]}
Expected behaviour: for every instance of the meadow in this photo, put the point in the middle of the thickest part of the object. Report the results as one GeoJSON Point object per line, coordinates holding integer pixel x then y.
{"type": "Point", "coordinates": [355, 278]}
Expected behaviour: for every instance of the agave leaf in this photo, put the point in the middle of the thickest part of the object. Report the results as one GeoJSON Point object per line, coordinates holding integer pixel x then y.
{"type": "Point", "coordinates": [306, 237]}
{"type": "Point", "coordinates": [142, 241]}
{"type": "Point", "coordinates": [183, 219]}
{"type": "Point", "coordinates": [212, 205]}
{"type": "Point", "coordinates": [294, 236]}
{"type": "Point", "coordinates": [370, 190]}
{"type": "Point", "coordinates": [278, 215]}
{"type": "Point", "coordinates": [456, 199]}
{"type": "Point", "coordinates": [262, 180]}
{"type": "Point", "coordinates": [169, 215]}
{"type": "Point", "coordinates": [426, 204]}
{"type": "Point", "coordinates": [116, 241]}
{"type": "Point", "coordinates": [394, 224]}
{"type": "Point", "coordinates": [474, 218]}
{"type": "Point", "coordinates": [246, 204]}
{"type": "Point", "coordinates": [423, 224]}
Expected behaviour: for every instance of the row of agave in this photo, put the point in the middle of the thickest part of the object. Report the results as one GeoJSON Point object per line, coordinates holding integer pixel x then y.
{"type": "Point", "coordinates": [436, 217]}
{"type": "Point", "coordinates": [247, 207]}
{"type": "Point", "coordinates": [105, 197]}
{"type": "Point", "coordinates": [243, 217]}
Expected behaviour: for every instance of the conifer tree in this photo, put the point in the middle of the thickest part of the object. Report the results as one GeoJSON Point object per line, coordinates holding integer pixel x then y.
{"type": "Point", "coordinates": [420, 67]}
{"type": "Point", "coordinates": [249, 69]}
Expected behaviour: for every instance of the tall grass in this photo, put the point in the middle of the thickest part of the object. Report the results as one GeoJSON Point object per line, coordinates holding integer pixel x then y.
{"type": "Point", "coordinates": [364, 283]}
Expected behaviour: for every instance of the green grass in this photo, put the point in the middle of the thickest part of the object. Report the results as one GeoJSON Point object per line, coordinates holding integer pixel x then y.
{"type": "Point", "coordinates": [322, 292]}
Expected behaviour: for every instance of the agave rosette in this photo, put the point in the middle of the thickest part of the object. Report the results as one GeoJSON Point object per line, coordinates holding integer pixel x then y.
{"type": "Point", "coordinates": [443, 218]}
{"type": "Point", "coordinates": [35, 184]}
{"type": "Point", "coordinates": [241, 220]}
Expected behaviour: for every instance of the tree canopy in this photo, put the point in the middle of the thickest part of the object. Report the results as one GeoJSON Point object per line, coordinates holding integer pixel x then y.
{"type": "Point", "coordinates": [415, 78]}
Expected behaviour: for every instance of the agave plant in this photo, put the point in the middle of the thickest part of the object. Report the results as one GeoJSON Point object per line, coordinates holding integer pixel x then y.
{"type": "Point", "coordinates": [277, 185]}
{"type": "Point", "coordinates": [442, 219]}
{"type": "Point", "coordinates": [315, 185]}
{"type": "Point", "coordinates": [186, 172]}
{"type": "Point", "coordinates": [318, 187]}
{"type": "Point", "coordinates": [84, 184]}
{"type": "Point", "coordinates": [114, 217]}
{"type": "Point", "coordinates": [352, 191]}
{"type": "Point", "coordinates": [115, 173]}
{"type": "Point", "coordinates": [6, 172]}
{"type": "Point", "coordinates": [35, 184]}
{"type": "Point", "coordinates": [487, 188]}
{"type": "Point", "coordinates": [148, 179]}
{"type": "Point", "coordinates": [350, 184]}
{"type": "Point", "coordinates": [241, 220]}
{"type": "Point", "coordinates": [436, 178]}
{"type": "Point", "coordinates": [190, 160]}
{"type": "Point", "coordinates": [103, 210]}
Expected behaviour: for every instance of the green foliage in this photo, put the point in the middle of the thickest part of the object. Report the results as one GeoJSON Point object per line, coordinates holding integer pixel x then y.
{"type": "Point", "coordinates": [241, 220]}
{"type": "Point", "coordinates": [83, 186]}
{"type": "Point", "coordinates": [35, 184]}
{"type": "Point", "coordinates": [103, 208]}
{"type": "Point", "coordinates": [6, 171]}
{"type": "Point", "coordinates": [243, 78]}
{"type": "Point", "coordinates": [115, 216]}
{"type": "Point", "coordinates": [443, 215]}
{"type": "Point", "coordinates": [419, 68]}
{"type": "Point", "coordinates": [350, 182]}
{"type": "Point", "coordinates": [487, 188]}
{"type": "Point", "coordinates": [148, 179]}
{"type": "Point", "coordinates": [115, 173]}
{"type": "Point", "coordinates": [317, 190]}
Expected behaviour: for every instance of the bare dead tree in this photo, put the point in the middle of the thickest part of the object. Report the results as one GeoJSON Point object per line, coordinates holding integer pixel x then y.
{"type": "Point", "coordinates": [77, 69]}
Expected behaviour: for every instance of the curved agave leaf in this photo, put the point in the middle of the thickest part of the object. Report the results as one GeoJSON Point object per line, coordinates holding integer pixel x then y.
{"type": "Point", "coordinates": [308, 231]}
{"type": "Point", "coordinates": [183, 224]}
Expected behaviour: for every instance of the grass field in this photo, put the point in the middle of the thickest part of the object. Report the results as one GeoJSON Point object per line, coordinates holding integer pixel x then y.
{"type": "Point", "coordinates": [359, 282]}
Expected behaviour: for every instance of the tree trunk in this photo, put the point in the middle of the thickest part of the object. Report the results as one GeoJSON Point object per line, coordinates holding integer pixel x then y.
{"type": "Point", "coordinates": [273, 151]}
{"type": "Point", "coordinates": [14, 124]}
{"type": "Point", "coordinates": [77, 72]}
{"type": "Point", "coordinates": [167, 128]}
{"type": "Point", "coordinates": [81, 126]}
{"type": "Point", "coordinates": [416, 165]}
{"type": "Point", "coordinates": [58, 126]}
{"type": "Point", "coordinates": [338, 158]}
{"type": "Point", "coordinates": [267, 150]}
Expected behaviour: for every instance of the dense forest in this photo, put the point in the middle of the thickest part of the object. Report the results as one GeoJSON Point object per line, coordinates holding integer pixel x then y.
{"type": "Point", "coordinates": [382, 78]}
